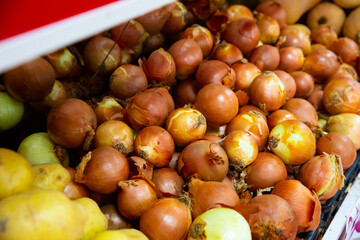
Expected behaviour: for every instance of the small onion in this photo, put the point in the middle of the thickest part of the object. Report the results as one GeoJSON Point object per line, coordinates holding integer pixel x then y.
{"type": "Point", "coordinates": [177, 19]}
{"type": "Point", "coordinates": [305, 203]}
{"type": "Point", "coordinates": [184, 93]}
{"type": "Point", "coordinates": [295, 36]}
{"type": "Point", "coordinates": [63, 62]}
{"type": "Point", "coordinates": [289, 83]}
{"type": "Point", "coordinates": [168, 180]}
{"type": "Point", "coordinates": [153, 43]}
{"type": "Point", "coordinates": [265, 57]}
{"type": "Point", "coordinates": [11, 111]}
{"type": "Point", "coordinates": [154, 21]}
{"type": "Point", "coordinates": [109, 109]}
{"type": "Point", "coordinates": [292, 141]}
{"type": "Point", "coordinates": [347, 49]}
{"type": "Point", "coordinates": [132, 34]}
{"type": "Point", "coordinates": [185, 125]}
{"type": "Point", "coordinates": [303, 110]}
{"type": "Point", "coordinates": [304, 87]}
{"type": "Point", "coordinates": [203, 159]}
{"type": "Point", "coordinates": [316, 99]}
{"type": "Point", "coordinates": [291, 59]}
{"type": "Point", "coordinates": [265, 171]}
{"type": "Point", "coordinates": [324, 34]}
{"type": "Point", "coordinates": [71, 123]}
{"type": "Point", "coordinates": [249, 108]}
{"type": "Point", "coordinates": [74, 190]}
{"type": "Point", "coordinates": [115, 220]}
{"type": "Point", "coordinates": [134, 196]}
{"type": "Point", "coordinates": [155, 145]}
{"type": "Point", "coordinates": [278, 116]}
{"type": "Point", "coordinates": [101, 170]}
{"type": "Point", "coordinates": [166, 217]}
{"type": "Point", "coordinates": [269, 28]}
{"type": "Point", "coordinates": [245, 72]}
{"type": "Point", "coordinates": [202, 36]}
{"type": "Point", "coordinates": [237, 11]}
{"type": "Point", "coordinates": [227, 52]}
{"type": "Point", "coordinates": [273, 9]}
{"type": "Point", "coordinates": [323, 174]}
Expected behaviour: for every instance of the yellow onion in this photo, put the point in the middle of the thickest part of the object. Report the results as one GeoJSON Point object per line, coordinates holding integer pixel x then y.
{"type": "Point", "coordinates": [11, 111]}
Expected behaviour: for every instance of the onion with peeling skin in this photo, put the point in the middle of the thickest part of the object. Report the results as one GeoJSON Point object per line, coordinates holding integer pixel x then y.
{"type": "Point", "coordinates": [245, 72]}
{"type": "Point", "coordinates": [109, 109]}
{"type": "Point", "coordinates": [168, 180]}
{"type": "Point", "coordinates": [303, 110]}
{"type": "Point", "coordinates": [278, 116]}
{"type": "Point", "coordinates": [269, 28]}
{"type": "Point", "coordinates": [275, 10]}
{"type": "Point", "coordinates": [202, 36]}
{"type": "Point", "coordinates": [74, 190]}
{"type": "Point", "coordinates": [227, 52]}
{"type": "Point", "coordinates": [140, 167]}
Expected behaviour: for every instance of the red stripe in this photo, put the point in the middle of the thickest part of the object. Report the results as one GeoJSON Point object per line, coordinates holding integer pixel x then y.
{"type": "Point", "coordinates": [19, 16]}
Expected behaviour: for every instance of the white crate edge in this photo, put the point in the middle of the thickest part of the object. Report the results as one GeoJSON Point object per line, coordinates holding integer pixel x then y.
{"type": "Point", "coordinates": [26, 46]}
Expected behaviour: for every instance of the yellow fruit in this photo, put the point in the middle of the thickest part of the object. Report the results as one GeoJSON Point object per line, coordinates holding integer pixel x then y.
{"type": "Point", "coordinates": [41, 215]}
{"type": "Point", "coordinates": [133, 234]}
{"type": "Point", "coordinates": [16, 174]}
{"type": "Point", "coordinates": [95, 221]}
{"type": "Point", "coordinates": [51, 176]}
{"type": "Point", "coordinates": [110, 235]}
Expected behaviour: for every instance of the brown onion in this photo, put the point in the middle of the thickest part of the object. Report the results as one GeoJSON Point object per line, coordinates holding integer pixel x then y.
{"type": "Point", "coordinates": [116, 134]}
{"type": "Point", "coordinates": [275, 10]}
{"type": "Point", "coordinates": [132, 34]}
{"type": "Point", "coordinates": [324, 34]}
{"type": "Point", "coordinates": [168, 180]}
{"type": "Point", "coordinates": [150, 107]}
{"type": "Point", "coordinates": [166, 217]}
{"type": "Point", "coordinates": [304, 87]}
{"type": "Point", "coordinates": [115, 220]}
{"type": "Point", "coordinates": [101, 170]}
{"type": "Point", "coordinates": [177, 19]}
{"type": "Point", "coordinates": [31, 81]}
{"type": "Point", "coordinates": [109, 109]}
{"type": "Point", "coordinates": [347, 49]}
{"type": "Point", "coordinates": [269, 28]}
{"type": "Point", "coordinates": [278, 116]}
{"type": "Point", "coordinates": [265, 171]}
{"type": "Point", "coordinates": [202, 36]}
{"type": "Point", "coordinates": [322, 174]}
{"type": "Point", "coordinates": [160, 68]}
{"type": "Point", "coordinates": [75, 190]}
{"type": "Point", "coordinates": [291, 59]}
{"type": "Point", "coordinates": [245, 72]}
{"type": "Point", "coordinates": [342, 95]}
{"type": "Point", "coordinates": [306, 204]}
{"type": "Point", "coordinates": [276, 218]}
{"type": "Point", "coordinates": [155, 145]}
{"type": "Point", "coordinates": [205, 195]}
{"type": "Point", "coordinates": [295, 36]}
{"type": "Point", "coordinates": [203, 159]}
{"type": "Point", "coordinates": [127, 80]}
{"type": "Point", "coordinates": [244, 33]}
{"type": "Point", "coordinates": [184, 93]}
{"type": "Point", "coordinates": [288, 81]}
{"type": "Point", "coordinates": [154, 21]}
{"type": "Point", "coordinates": [241, 148]}
{"type": "Point", "coordinates": [217, 103]}
{"type": "Point", "coordinates": [140, 167]}
{"type": "Point", "coordinates": [185, 125]}
{"type": "Point", "coordinates": [215, 71]}
{"type": "Point", "coordinates": [252, 122]}
{"type": "Point", "coordinates": [134, 196]}
{"type": "Point", "coordinates": [267, 92]}
{"type": "Point", "coordinates": [265, 57]}
{"type": "Point", "coordinates": [237, 11]}
{"type": "Point", "coordinates": [63, 62]}
{"type": "Point", "coordinates": [153, 43]}
{"type": "Point", "coordinates": [316, 99]}
{"type": "Point", "coordinates": [187, 55]}
{"type": "Point", "coordinates": [243, 97]}
{"type": "Point", "coordinates": [340, 144]}
{"type": "Point", "coordinates": [249, 108]}
{"type": "Point", "coordinates": [348, 124]}
{"type": "Point", "coordinates": [348, 70]}
{"type": "Point", "coordinates": [303, 110]}
{"type": "Point", "coordinates": [71, 123]}
{"type": "Point", "coordinates": [227, 52]}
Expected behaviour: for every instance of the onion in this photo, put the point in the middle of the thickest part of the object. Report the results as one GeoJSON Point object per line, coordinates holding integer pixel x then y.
{"type": "Point", "coordinates": [71, 123]}
{"type": "Point", "coordinates": [306, 204]}
{"type": "Point", "coordinates": [168, 180]}
{"type": "Point", "coordinates": [115, 220]}
{"type": "Point", "coordinates": [324, 34]}
{"type": "Point", "coordinates": [153, 43]}
{"type": "Point", "coordinates": [116, 134]}
{"type": "Point", "coordinates": [187, 55]}
{"type": "Point", "coordinates": [347, 49]}
{"type": "Point", "coordinates": [217, 103]}
{"type": "Point", "coordinates": [304, 87]}
{"type": "Point", "coordinates": [97, 49]}
{"type": "Point", "coordinates": [237, 11]}
{"type": "Point", "coordinates": [134, 196]}
{"type": "Point", "coordinates": [227, 52]}
{"type": "Point", "coordinates": [11, 111]}
{"type": "Point", "coordinates": [109, 109]}
{"type": "Point", "coordinates": [265, 171]}
{"type": "Point", "coordinates": [295, 36]}
{"type": "Point", "coordinates": [184, 93]}
{"type": "Point", "coordinates": [38, 148]}
{"type": "Point", "coordinates": [340, 144]}
{"type": "Point", "coordinates": [243, 97]}
{"type": "Point", "coordinates": [127, 80]}
{"type": "Point", "coordinates": [265, 57]}
{"type": "Point", "coordinates": [185, 125]}
{"type": "Point", "coordinates": [303, 110]}
{"type": "Point", "coordinates": [348, 124]}
{"type": "Point", "coordinates": [220, 223]}
{"type": "Point", "coordinates": [346, 69]}
{"type": "Point", "coordinates": [155, 145]}
{"type": "Point", "coordinates": [201, 35]}
{"type": "Point", "coordinates": [291, 59]}
{"type": "Point", "coordinates": [140, 167]}
{"type": "Point", "coordinates": [244, 33]}
{"type": "Point", "coordinates": [289, 83]}
{"type": "Point", "coordinates": [132, 36]}
{"type": "Point", "coordinates": [211, 138]}
{"type": "Point", "coordinates": [269, 28]}
{"type": "Point", "coordinates": [150, 107]}
{"type": "Point", "coordinates": [31, 81]}
{"type": "Point", "coordinates": [164, 218]}
{"type": "Point", "coordinates": [278, 116]}
{"type": "Point", "coordinates": [276, 218]}
{"type": "Point", "coordinates": [267, 92]}
{"type": "Point", "coordinates": [63, 62]}
{"type": "Point", "coordinates": [249, 108]}
{"type": "Point", "coordinates": [342, 95]}
{"type": "Point", "coordinates": [245, 72]}
{"type": "Point", "coordinates": [323, 174]}
{"type": "Point", "coordinates": [292, 141]}
{"type": "Point", "coordinates": [160, 68]}
{"type": "Point", "coordinates": [74, 190]}
{"type": "Point", "coordinates": [273, 9]}
{"type": "Point", "coordinates": [316, 99]}
{"type": "Point", "coordinates": [203, 159]}
{"type": "Point", "coordinates": [101, 169]}
{"type": "Point", "coordinates": [154, 21]}
{"type": "Point", "coordinates": [251, 122]}
{"type": "Point", "coordinates": [241, 148]}
{"type": "Point", "coordinates": [205, 195]}
{"type": "Point", "coordinates": [177, 19]}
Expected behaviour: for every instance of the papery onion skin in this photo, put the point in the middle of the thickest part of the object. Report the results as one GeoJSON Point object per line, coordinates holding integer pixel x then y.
{"type": "Point", "coordinates": [11, 111]}
{"type": "Point", "coordinates": [109, 109]}
{"type": "Point", "coordinates": [202, 36]}
{"type": "Point", "coordinates": [75, 190]}
{"type": "Point", "coordinates": [292, 141]}
{"type": "Point", "coordinates": [133, 197]}
{"type": "Point", "coordinates": [101, 170]}
{"type": "Point", "coordinates": [348, 70]}
{"type": "Point", "coordinates": [340, 144]}
{"type": "Point", "coordinates": [227, 52]}
{"type": "Point", "coordinates": [249, 108]}
{"type": "Point", "coordinates": [323, 174]}
{"type": "Point", "coordinates": [203, 159]}
{"type": "Point", "coordinates": [140, 167]}
{"type": "Point", "coordinates": [265, 171]}
{"type": "Point", "coordinates": [205, 195]}
{"type": "Point", "coordinates": [155, 145]}
{"type": "Point", "coordinates": [166, 217]}
{"type": "Point", "coordinates": [71, 123]}
{"type": "Point", "coordinates": [168, 180]}
{"type": "Point", "coordinates": [306, 204]}
{"type": "Point", "coordinates": [303, 110]}
{"type": "Point", "coordinates": [278, 116]}
{"type": "Point", "coordinates": [217, 103]}
{"type": "Point", "coordinates": [185, 125]}
{"type": "Point", "coordinates": [276, 218]}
